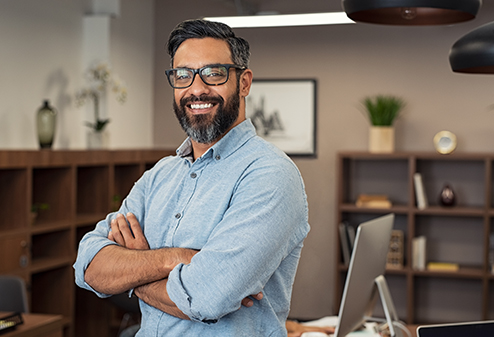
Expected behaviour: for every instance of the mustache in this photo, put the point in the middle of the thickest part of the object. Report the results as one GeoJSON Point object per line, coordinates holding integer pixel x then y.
{"type": "Point", "coordinates": [202, 98]}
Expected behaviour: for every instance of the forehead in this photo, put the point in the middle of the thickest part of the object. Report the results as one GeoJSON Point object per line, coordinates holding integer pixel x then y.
{"type": "Point", "coordinates": [196, 53]}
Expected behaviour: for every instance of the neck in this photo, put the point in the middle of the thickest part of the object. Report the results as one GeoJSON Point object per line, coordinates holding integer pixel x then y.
{"type": "Point", "coordinates": [198, 149]}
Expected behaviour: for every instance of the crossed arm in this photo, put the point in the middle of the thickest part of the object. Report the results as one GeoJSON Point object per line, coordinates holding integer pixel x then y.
{"type": "Point", "coordinates": [133, 265]}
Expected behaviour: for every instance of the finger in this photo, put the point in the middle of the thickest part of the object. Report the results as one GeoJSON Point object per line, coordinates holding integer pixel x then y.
{"type": "Point", "coordinates": [134, 225]}
{"type": "Point", "coordinates": [258, 296]}
{"type": "Point", "coordinates": [117, 236]}
{"type": "Point", "coordinates": [247, 302]}
{"type": "Point", "coordinates": [123, 225]}
{"type": "Point", "coordinates": [110, 236]}
{"type": "Point", "coordinates": [140, 241]}
{"type": "Point", "coordinates": [294, 334]}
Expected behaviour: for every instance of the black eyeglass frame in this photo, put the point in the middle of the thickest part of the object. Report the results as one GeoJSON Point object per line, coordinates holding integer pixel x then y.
{"type": "Point", "coordinates": [198, 72]}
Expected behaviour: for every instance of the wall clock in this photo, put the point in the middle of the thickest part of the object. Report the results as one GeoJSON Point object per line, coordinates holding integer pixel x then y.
{"type": "Point", "coordinates": [445, 142]}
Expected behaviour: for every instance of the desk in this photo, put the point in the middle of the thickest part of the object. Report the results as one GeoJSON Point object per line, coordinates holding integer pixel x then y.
{"type": "Point", "coordinates": [37, 325]}
{"type": "Point", "coordinates": [413, 329]}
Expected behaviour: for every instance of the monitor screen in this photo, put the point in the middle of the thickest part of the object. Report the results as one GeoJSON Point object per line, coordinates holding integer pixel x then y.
{"type": "Point", "coordinates": [367, 262]}
{"type": "Point", "coordinates": [478, 329]}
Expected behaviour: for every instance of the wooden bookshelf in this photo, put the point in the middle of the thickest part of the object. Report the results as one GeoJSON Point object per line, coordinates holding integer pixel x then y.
{"type": "Point", "coordinates": [79, 188]}
{"type": "Point", "coordinates": [458, 234]}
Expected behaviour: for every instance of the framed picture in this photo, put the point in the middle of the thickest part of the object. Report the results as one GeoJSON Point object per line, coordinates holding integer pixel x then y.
{"type": "Point", "coordinates": [284, 113]}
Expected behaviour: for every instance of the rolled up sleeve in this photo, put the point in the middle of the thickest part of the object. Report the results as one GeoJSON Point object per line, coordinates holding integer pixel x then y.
{"type": "Point", "coordinates": [89, 246]}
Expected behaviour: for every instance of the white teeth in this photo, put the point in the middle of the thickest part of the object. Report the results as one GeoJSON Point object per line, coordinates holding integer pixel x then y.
{"type": "Point", "coordinates": [201, 106]}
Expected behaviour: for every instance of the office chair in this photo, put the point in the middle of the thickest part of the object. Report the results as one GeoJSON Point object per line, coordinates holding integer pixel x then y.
{"type": "Point", "coordinates": [128, 326]}
{"type": "Point", "coordinates": [13, 294]}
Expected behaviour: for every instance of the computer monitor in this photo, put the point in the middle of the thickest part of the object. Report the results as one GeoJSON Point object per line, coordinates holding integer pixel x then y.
{"type": "Point", "coordinates": [367, 263]}
{"type": "Point", "coordinates": [477, 329]}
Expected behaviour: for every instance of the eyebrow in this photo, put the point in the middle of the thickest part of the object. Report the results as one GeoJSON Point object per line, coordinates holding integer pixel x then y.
{"type": "Point", "coordinates": [207, 65]}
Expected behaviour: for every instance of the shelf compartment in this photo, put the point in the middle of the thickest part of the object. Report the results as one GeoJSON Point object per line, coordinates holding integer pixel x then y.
{"type": "Point", "coordinates": [368, 176]}
{"type": "Point", "coordinates": [466, 178]}
{"type": "Point", "coordinates": [53, 186]}
{"type": "Point", "coordinates": [453, 239]}
{"type": "Point", "coordinates": [52, 291]}
{"type": "Point", "coordinates": [51, 245]}
{"type": "Point", "coordinates": [14, 197]}
{"type": "Point", "coordinates": [93, 194]}
{"type": "Point", "coordinates": [125, 178]}
{"type": "Point", "coordinates": [356, 218]}
{"type": "Point", "coordinates": [444, 300]}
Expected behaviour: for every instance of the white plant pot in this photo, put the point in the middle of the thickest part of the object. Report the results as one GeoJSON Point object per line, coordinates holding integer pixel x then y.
{"type": "Point", "coordinates": [98, 140]}
{"type": "Point", "coordinates": [381, 139]}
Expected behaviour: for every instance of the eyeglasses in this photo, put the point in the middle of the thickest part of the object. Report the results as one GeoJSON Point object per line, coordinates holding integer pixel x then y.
{"type": "Point", "coordinates": [215, 74]}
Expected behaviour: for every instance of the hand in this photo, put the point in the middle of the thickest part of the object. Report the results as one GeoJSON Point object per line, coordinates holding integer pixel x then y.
{"type": "Point", "coordinates": [248, 302]}
{"type": "Point", "coordinates": [128, 235]}
{"type": "Point", "coordinates": [295, 329]}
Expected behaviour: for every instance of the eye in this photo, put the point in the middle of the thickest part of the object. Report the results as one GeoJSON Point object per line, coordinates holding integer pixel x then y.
{"type": "Point", "coordinates": [182, 74]}
{"type": "Point", "coordinates": [212, 72]}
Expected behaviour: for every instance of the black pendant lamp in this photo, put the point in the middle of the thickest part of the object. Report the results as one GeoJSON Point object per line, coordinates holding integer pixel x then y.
{"type": "Point", "coordinates": [411, 12]}
{"type": "Point", "coordinates": [474, 52]}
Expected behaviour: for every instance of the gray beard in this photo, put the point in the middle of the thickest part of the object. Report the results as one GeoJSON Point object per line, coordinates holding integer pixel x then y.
{"type": "Point", "coordinates": [205, 129]}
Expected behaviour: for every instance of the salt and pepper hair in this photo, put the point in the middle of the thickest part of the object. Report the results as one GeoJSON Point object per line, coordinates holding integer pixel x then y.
{"type": "Point", "coordinates": [198, 29]}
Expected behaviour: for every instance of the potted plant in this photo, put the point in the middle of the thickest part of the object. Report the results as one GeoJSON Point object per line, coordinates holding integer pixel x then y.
{"type": "Point", "coordinates": [382, 111]}
{"type": "Point", "coordinates": [100, 81]}
{"type": "Point", "coordinates": [36, 208]}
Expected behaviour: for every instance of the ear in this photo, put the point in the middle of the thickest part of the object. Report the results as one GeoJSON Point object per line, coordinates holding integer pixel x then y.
{"type": "Point", "coordinates": [245, 82]}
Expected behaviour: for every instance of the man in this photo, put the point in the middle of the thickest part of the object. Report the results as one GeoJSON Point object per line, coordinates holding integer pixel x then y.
{"type": "Point", "coordinates": [222, 220]}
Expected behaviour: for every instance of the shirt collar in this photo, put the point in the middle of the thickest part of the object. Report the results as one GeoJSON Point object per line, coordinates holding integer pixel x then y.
{"type": "Point", "coordinates": [234, 139]}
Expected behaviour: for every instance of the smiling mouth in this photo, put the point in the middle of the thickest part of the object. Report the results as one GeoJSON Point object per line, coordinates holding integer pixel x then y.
{"type": "Point", "coordinates": [200, 106]}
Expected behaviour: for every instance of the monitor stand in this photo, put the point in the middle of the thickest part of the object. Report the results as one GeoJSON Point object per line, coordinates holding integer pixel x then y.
{"type": "Point", "coordinates": [387, 303]}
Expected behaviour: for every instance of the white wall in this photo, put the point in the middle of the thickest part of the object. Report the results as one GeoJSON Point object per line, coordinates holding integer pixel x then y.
{"type": "Point", "coordinates": [41, 57]}
{"type": "Point", "coordinates": [349, 63]}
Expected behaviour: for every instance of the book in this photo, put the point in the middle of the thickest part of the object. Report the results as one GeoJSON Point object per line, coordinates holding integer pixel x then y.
{"type": "Point", "coordinates": [420, 196]}
{"type": "Point", "coordinates": [442, 266]}
{"type": "Point", "coordinates": [345, 248]}
{"type": "Point", "coordinates": [373, 201]}
{"type": "Point", "coordinates": [350, 231]}
{"type": "Point", "coordinates": [419, 255]}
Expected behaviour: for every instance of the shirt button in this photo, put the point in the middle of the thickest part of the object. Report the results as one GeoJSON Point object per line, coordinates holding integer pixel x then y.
{"type": "Point", "coordinates": [193, 175]}
{"type": "Point", "coordinates": [178, 215]}
{"type": "Point", "coordinates": [218, 157]}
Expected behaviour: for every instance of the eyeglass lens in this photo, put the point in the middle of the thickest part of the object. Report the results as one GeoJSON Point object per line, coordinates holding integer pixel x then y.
{"type": "Point", "coordinates": [212, 75]}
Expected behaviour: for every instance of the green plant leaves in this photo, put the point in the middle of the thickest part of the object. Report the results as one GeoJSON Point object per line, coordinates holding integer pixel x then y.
{"type": "Point", "coordinates": [383, 110]}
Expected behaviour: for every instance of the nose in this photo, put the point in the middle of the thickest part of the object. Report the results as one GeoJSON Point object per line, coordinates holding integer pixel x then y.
{"type": "Point", "coordinates": [198, 86]}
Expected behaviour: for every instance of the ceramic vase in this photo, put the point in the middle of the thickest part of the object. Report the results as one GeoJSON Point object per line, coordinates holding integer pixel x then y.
{"type": "Point", "coordinates": [447, 197]}
{"type": "Point", "coordinates": [46, 121]}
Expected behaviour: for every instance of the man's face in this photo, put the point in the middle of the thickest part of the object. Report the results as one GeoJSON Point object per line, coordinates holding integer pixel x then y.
{"type": "Point", "coordinates": [206, 112]}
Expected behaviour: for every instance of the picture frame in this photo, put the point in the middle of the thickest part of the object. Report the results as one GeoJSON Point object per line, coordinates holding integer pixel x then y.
{"type": "Point", "coordinates": [284, 113]}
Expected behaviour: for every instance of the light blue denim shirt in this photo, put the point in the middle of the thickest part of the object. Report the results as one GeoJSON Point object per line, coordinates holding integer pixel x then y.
{"type": "Point", "coordinates": [243, 205]}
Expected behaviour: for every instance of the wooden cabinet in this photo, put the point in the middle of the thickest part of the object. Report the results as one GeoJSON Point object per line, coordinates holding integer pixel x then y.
{"type": "Point", "coordinates": [71, 191]}
{"type": "Point", "coordinates": [458, 234]}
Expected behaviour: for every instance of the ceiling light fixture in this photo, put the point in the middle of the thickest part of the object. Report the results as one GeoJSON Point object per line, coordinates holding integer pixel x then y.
{"type": "Point", "coordinates": [411, 12]}
{"type": "Point", "coordinates": [283, 20]}
{"type": "Point", "coordinates": [474, 52]}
